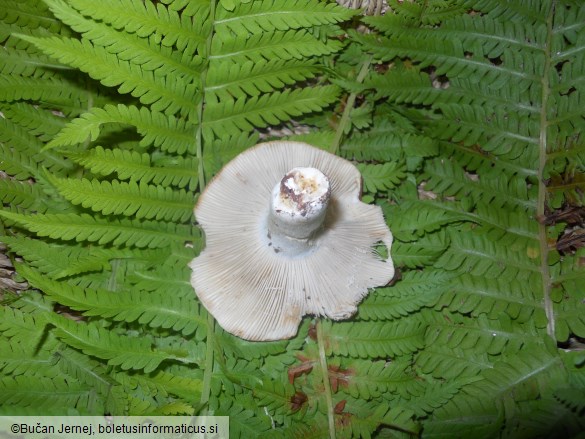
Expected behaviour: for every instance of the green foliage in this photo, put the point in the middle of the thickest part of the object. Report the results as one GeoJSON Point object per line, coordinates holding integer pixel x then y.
{"type": "Point", "coordinates": [465, 120]}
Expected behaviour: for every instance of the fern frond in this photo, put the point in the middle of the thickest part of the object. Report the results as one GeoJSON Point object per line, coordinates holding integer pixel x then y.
{"type": "Point", "coordinates": [413, 219]}
{"type": "Point", "coordinates": [445, 177]}
{"type": "Point", "coordinates": [146, 19]}
{"type": "Point", "coordinates": [23, 358]}
{"type": "Point", "coordinates": [120, 350]}
{"type": "Point", "coordinates": [569, 318]}
{"type": "Point", "coordinates": [128, 47]}
{"type": "Point", "coordinates": [374, 339]}
{"type": "Point", "coordinates": [452, 332]}
{"type": "Point", "coordinates": [451, 364]}
{"type": "Point", "coordinates": [165, 383]}
{"type": "Point", "coordinates": [157, 310]}
{"type": "Point", "coordinates": [275, 396]}
{"type": "Point", "coordinates": [134, 166]}
{"type": "Point", "coordinates": [58, 261]}
{"type": "Point", "coordinates": [479, 256]}
{"type": "Point", "coordinates": [22, 153]}
{"type": "Point", "coordinates": [87, 228]}
{"type": "Point", "coordinates": [84, 369]}
{"type": "Point", "coordinates": [243, 115]}
{"type": "Point", "coordinates": [165, 274]}
{"type": "Point", "coordinates": [47, 90]}
{"type": "Point", "coordinates": [448, 53]}
{"type": "Point", "coordinates": [20, 63]}
{"type": "Point", "coordinates": [161, 93]}
{"type": "Point", "coordinates": [386, 141]}
{"type": "Point", "coordinates": [21, 194]}
{"type": "Point", "coordinates": [139, 200]}
{"type": "Point", "coordinates": [468, 416]}
{"type": "Point", "coordinates": [31, 15]}
{"type": "Point", "coordinates": [424, 251]}
{"type": "Point", "coordinates": [366, 379]}
{"type": "Point", "coordinates": [236, 80]}
{"type": "Point", "coordinates": [164, 131]}
{"type": "Point", "coordinates": [274, 45]}
{"type": "Point", "coordinates": [21, 326]}
{"type": "Point", "coordinates": [245, 349]}
{"type": "Point", "coordinates": [40, 393]}
{"type": "Point", "coordinates": [257, 17]}
{"type": "Point", "coordinates": [415, 290]}
{"type": "Point", "coordinates": [368, 416]}
{"type": "Point", "coordinates": [245, 422]}
{"type": "Point", "coordinates": [494, 295]}
{"type": "Point", "coordinates": [435, 394]}
{"type": "Point", "coordinates": [381, 177]}
{"type": "Point", "coordinates": [521, 373]}
{"type": "Point", "coordinates": [498, 130]}
{"type": "Point", "coordinates": [41, 123]}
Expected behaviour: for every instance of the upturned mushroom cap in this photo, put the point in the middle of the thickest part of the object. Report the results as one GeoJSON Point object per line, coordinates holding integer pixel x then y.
{"type": "Point", "coordinates": [255, 289]}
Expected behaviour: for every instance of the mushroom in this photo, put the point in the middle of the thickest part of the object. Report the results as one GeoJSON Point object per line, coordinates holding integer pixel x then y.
{"type": "Point", "coordinates": [287, 235]}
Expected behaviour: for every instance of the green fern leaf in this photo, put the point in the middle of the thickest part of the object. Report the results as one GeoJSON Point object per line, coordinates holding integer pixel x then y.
{"type": "Point", "coordinates": [41, 123]}
{"type": "Point", "coordinates": [521, 373]}
{"type": "Point", "coordinates": [452, 364]}
{"type": "Point", "coordinates": [243, 115]}
{"type": "Point", "coordinates": [32, 16]}
{"type": "Point", "coordinates": [274, 45]}
{"type": "Point", "coordinates": [24, 358]}
{"type": "Point", "coordinates": [415, 290]}
{"type": "Point", "coordinates": [480, 294]}
{"type": "Point", "coordinates": [59, 92]}
{"type": "Point", "coordinates": [155, 309]}
{"type": "Point", "coordinates": [477, 255]}
{"type": "Point", "coordinates": [44, 393]}
{"type": "Point", "coordinates": [382, 177]}
{"type": "Point", "coordinates": [257, 17]}
{"type": "Point", "coordinates": [446, 177]}
{"type": "Point", "coordinates": [87, 228]}
{"type": "Point", "coordinates": [466, 416]}
{"type": "Point", "coordinates": [58, 261]}
{"type": "Point", "coordinates": [120, 350]}
{"type": "Point", "coordinates": [146, 19]}
{"type": "Point", "coordinates": [128, 47]}
{"type": "Point", "coordinates": [129, 199]}
{"type": "Point", "coordinates": [366, 379]}
{"type": "Point", "coordinates": [16, 193]}
{"type": "Point", "coordinates": [162, 94]}
{"type": "Point", "coordinates": [235, 80]}
{"type": "Point", "coordinates": [165, 383]}
{"type": "Point", "coordinates": [374, 339]}
{"type": "Point", "coordinates": [166, 132]}
{"type": "Point", "coordinates": [412, 219]}
{"type": "Point", "coordinates": [386, 141]}
{"type": "Point", "coordinates": [22, 155]}
{"type": "Point", "coordinates": [424, 251]}
{"type": "Point", "coordinates": [84, 369]}
{"type": "Point", "coordinates": [20, 63]}
{"type": "Point", "coordinates": [134, 166]}
{"type": "Point", "coordinates": [481, 334]}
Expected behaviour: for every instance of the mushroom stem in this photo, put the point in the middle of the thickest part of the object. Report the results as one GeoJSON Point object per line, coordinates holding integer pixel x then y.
{"type": "Point", "coordinates": [297, 209]}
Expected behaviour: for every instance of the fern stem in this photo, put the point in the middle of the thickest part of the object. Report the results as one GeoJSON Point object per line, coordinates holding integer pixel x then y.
{"type": "Point", "coordinates": [210, 347]}
{"type": "Point", "coordinates": [543, 146]}
{"type": "Point", "coordinates": [112, 284]}
{"type": "Point", "coordinates": [326, 385]}
{"type": "Point", "coordinates": [208, 372]}
{"type": "Point", "coordinates": [365, 67]}
{"type": "Point", "coordinates": [201, 106]}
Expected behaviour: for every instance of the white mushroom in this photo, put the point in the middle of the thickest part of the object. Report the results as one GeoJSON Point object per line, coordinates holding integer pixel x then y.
{"type": "Point", "coordinates": [287, 235]}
